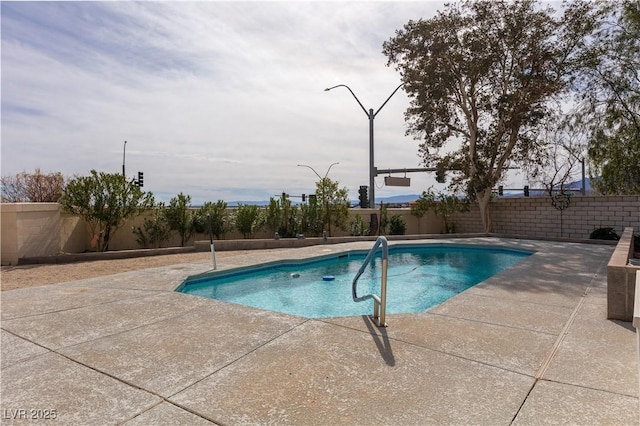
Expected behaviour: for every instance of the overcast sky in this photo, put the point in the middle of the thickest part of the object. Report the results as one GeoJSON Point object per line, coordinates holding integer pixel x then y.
{"type": "Point", "coordinates": [219, 100]}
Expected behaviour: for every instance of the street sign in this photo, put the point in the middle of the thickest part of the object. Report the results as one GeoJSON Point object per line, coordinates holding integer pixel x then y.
{"type": "Point", "coordinates": [397, 181]}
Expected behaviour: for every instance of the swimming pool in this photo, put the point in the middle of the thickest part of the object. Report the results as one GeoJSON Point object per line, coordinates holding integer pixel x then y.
{"type": "Point", "coordinates": [419, 277]}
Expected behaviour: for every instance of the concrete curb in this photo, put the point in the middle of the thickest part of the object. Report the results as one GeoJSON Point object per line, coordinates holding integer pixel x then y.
{"type": "Point", "coordinates": [262, 244]}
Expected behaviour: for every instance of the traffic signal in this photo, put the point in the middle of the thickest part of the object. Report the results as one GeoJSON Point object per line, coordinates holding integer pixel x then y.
{"type": "Point", "coordinates": [140, 179]}
{"type": "Point", "coordinates": [304, 198]}
{"type": "Point", "coordinates": [500, 190]}
{"type": "Point", "coordinates": [363, 197]}
{"type": "Point", "coordinates": [526, 190]}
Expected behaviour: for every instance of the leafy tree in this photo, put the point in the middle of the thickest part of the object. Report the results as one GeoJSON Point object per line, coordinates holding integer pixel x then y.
{"type": "Point", "coordinates": [420, 207]}
{"type": "Point", "coordinates": [104, 201]}
{"type": "Point", "coordinates": [155, 231]}
{"type": "Point", "coordinates": [249, 219]}
{"type": "Point", "coordinates": [483, 73]}
{"type": "Point", "coordinates": [615, 163]}
{"type": "Point", "coordinates": [180, 217]}
{"type": "Point", "coordinates": [36, 187]}
{"type": "Point", "coordinates": [221, 222]}
{"type": "Point", "coordinates": [610, 100]}
{"type": "Point", "coordinates": [334, 204]}
{"type": "Point", "coordinates": [563, 146]}
{"type": "Point", "coordinates": [444, 205]}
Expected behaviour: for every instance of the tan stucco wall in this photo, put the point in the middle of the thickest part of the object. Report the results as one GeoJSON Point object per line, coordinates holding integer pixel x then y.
{"type": "Point", "coordinates": [41, 229]}
{"type": "Point", "coordinates": [9, 235]}
{"type": "Point", "coordinates": [38, 229]}
{"type": "Point", "coordinates": [30, 229]}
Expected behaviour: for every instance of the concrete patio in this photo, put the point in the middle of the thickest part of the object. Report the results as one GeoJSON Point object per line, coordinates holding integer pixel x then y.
{"type": "Point", "coordinates": [529, 346]}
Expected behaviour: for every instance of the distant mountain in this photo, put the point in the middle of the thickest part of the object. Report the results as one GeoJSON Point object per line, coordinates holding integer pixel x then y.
{"type": "Point", "coordinates": [398, 199]}
{"type": "Point", "coordinates": [395, 199]}
{"type": "Point", "coordinates": [574, 186]}
{"type": "Point", "coordinates": [577, 185]}
{"type": "Point", "coordinates": [250, 203]}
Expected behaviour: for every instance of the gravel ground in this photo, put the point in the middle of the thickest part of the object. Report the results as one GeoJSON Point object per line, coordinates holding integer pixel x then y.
{"type": "Point", "coordinates": [14, 277]}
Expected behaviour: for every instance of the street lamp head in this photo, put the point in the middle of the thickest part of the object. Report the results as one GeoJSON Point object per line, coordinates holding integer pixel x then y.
{"type": "Point", "coordinates": [314, 170]}
{"type": "Point", "coordinates": [339, 85]}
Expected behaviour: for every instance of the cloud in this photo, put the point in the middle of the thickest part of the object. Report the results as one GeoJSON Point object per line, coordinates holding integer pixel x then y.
{"type": "Point", "coordinates": [219, 100]}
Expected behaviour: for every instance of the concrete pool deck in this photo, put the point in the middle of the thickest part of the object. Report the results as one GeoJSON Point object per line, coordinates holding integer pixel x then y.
{"type": "Point", "coordinates": [530, 345]}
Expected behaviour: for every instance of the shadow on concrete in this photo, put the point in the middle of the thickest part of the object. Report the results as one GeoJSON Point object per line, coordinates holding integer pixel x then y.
{"type": "Point", "coordinates": [381, 339]}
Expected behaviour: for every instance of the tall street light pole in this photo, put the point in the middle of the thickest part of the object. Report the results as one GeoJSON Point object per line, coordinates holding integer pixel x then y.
{"type": "Point", "coordinates": [371, 115]}
{"type": "Point", "coordinates": [124, 152]}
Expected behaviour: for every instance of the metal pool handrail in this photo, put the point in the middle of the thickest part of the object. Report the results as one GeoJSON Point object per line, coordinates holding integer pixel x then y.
{"type": "Point", "coordinates": [380, 302]}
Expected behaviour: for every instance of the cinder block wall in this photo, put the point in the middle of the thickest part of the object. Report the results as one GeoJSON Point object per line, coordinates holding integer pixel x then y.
{"type": "Point", "coordinates": [536, 216]}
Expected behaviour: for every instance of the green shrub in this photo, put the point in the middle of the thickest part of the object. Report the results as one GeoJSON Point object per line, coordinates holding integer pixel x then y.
{"type": "Point", "coordinates": [282, 217]}
{"type": "Point", "coordinates": [105, 201]}
{"type": "Point", "coordinates": [155, 231]}
{"type": "Point", "coordinates": [249, 219]}
{"type": "Point", "coordinates": [397, 225]}
{"type": "Point", "coordinates": [384, 219]}
{"type": "Point", "coordinates": [221, 222]}
{"type": "Point", "coordinates": [358, 227]}
{"type": "Point", "coordinates": [604, 234]}
{"type": "Point", "coordinates": [310, 221]}
{"type": "Point", "coordinates": [179, 217]}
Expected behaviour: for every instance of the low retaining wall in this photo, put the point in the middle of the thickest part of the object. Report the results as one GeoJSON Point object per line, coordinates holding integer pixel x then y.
{"type": "Point", "coordinates": [259, 244]}
{"type": "Point", "coordinates": [103, 255]}
{"type": "Point", "coordinates": [621, 280]}
{"type": "Point", "coordinates": [636, 325]}
{"type": "Point", "coordinates": [224, 245]}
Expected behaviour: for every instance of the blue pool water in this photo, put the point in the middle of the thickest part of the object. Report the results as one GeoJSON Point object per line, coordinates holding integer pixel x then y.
{"type": "Point", "coordinates": [418, 278]}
